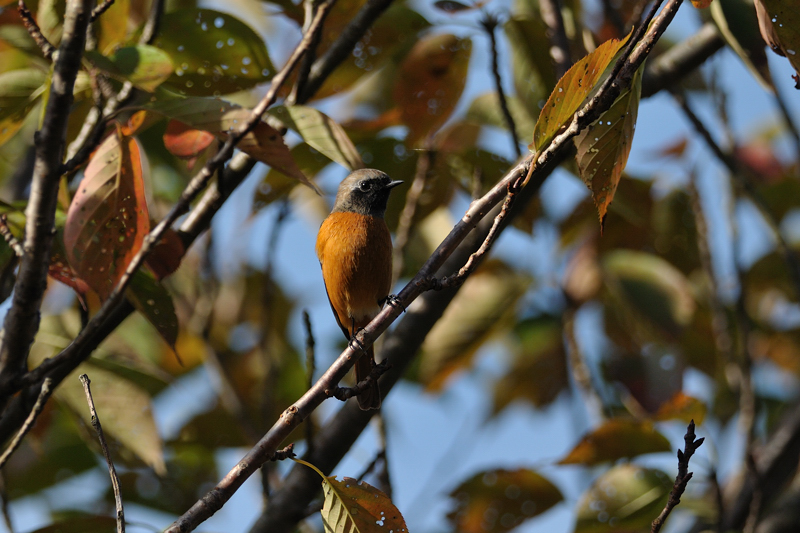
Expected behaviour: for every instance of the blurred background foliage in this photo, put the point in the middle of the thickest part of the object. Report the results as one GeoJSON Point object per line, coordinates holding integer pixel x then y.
{"type": "Point", "coordinates": [613, 324]}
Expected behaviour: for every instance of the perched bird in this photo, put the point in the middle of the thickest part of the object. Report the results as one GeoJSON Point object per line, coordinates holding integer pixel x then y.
{"type": "Point", "coordinates": [355, 251]}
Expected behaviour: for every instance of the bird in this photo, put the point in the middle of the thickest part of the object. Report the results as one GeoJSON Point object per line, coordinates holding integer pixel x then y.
{"type": "Point", "coordinates": [354, 248]}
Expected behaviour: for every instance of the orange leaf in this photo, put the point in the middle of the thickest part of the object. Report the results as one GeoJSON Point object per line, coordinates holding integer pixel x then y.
{"type": "Point", "coordinates": [221, 118]}
{"type": "Point", "coordinates": [108, 219]}
{"type": "Point", "coordinates": [572, 90]}
{"type": "Point", "coordinates": [617, 439]}
{"type": "Point", "coordinates": [184, 141]}
{"type": "Point", "coordinates": [681, 407]}
{"type": "Point", "coordinates": [500, 500]}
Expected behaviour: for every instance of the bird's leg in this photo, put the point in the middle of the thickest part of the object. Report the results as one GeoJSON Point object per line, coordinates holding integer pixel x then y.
{"type": "Point", "coordinates": [345, 393]}
{"type": "Point", "coordinates": [394, 301]}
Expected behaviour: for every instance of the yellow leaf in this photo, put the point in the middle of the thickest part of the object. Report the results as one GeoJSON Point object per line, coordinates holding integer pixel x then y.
{"type": "Point", "coordinates": [617, 439]}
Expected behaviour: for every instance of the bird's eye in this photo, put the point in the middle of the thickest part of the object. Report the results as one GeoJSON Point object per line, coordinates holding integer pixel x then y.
{"type": "Point", "coordinates": [365, 186]}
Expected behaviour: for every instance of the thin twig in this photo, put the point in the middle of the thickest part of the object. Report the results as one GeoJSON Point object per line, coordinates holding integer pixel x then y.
{"type": "Point", "coordinates": [457, 279]}
{"type": "Point", "coordinates": [4, 504]}
{"type": "Point", "coordinates": [489, 24]}
{"type": "Point", "coordinates": [421, 176]}
{"type": "Point", "coordinates": [345, 393]}
{"type": "Point", "coordinates": [309, 8]}
{"type": "Point", "coordinates": [12, 241]}
{"type": "Point", "coordinates": [577, 364]}
{"type": "Point", "coordinates": [34, 31]}
{"type": "Point", "coordinates": [559, 44]}
{"type": "Point", "coordinates": [44, 394]}
{"type": "Point", "coordinates": [690, 446]}
{"type": "Point", "coordinates": [342, 47]}
{"type": "Point", "coordinates": [101, 8]}
{"type": "Point", "coordinates": [310, 370]}
{"type": "Point", "coordinates": [111, 470]}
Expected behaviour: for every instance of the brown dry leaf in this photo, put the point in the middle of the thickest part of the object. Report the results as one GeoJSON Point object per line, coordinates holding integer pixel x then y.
{"type": "Point", "coordinates": [497, 501]}
{"type": "Point", "coordinates": [779, 22]}
{"type": "Point", "coordinates": [617, 439]}
{"type": "Point", "coordinates": [430, 82]}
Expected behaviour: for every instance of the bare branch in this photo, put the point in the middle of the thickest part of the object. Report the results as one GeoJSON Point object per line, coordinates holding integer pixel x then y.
{"type": "Point", "coordinates": [34, 31]}
{"type": "Point", "coordinates": [489, 24]}
{"type": "Point", "coordinates": [101, 8]}
{"type": "Point", "coordinates": [111, 470]}
{"type": "Point", "coordinates": [682, 479]}
{"type": "Point", "coordinates": [44, 394]}
{"type": "Point", "coordinates": [421, 175]}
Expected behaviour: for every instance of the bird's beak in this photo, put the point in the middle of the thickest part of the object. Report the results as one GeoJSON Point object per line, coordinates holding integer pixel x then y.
{"type": "Point", "coordinates": [393, 184]}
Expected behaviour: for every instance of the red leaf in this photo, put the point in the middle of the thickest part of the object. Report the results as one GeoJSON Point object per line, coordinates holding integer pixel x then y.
{"type": "Point", "coordinates": [184, 141]}
{"type": "Point", "coordinates": [108, 218]}
{"type": "Point", "coordinates": [166, 256]}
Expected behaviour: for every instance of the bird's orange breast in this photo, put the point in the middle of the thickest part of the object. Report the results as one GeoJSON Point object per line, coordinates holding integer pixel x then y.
{"type": "Point", "coordinates": [355, 252]}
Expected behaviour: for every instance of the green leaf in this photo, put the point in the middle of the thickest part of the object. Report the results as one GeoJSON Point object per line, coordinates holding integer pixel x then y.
{"type": "Point", "coordinates": [538, 370]}
{"type": "Point", "coordinates": [626, 498]}
{"type": "Point", "coordinates": [496, 501]}
{"type": "Point", "coordinates": [151, 299]}
{"type": "Point", "coordinates": [534, 74]}
{"type": "Point", "coordinates": [738, 23]}
{"type": "Point", "coordinates": [221, 118]}
{"type": "Point", "coordinates": [484, 304]}
{"type": "Point", "coordinates": [321, 132]}
{"type": "Point", "coordinates": [277, 185]}
{"type": "Point", "coordinates": [650, 288]}
{"type": "Point", "coordinates": [20, 91]}
{"type": "Point", "coordinates": [124, 410]}
{"type": "Point", "coordinates": [572, 90]}
{"type": "Point", "coordinates": [485, 109]}
{"type": "Point", "coordinates": [145, 66]}
{"type": "Point", "coordinates": [604, 146]}
{"type": "Point", "coordinates": [108, 218]}
{"type": "Point", "coordinates": [213, 52]}
{"type": "Point", "coordinates": [617, 439]}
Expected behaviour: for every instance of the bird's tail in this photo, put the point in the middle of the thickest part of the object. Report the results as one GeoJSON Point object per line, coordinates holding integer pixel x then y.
{"type": "Point", "coordinates": [371, 397]}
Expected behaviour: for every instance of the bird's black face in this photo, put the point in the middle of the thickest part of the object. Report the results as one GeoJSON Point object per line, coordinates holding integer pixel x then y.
{"type": "Point", "coordinates": [365, 192]}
